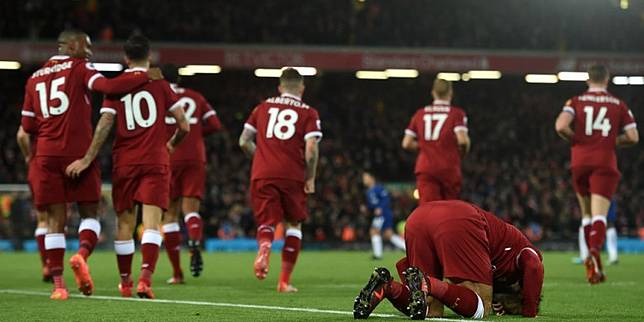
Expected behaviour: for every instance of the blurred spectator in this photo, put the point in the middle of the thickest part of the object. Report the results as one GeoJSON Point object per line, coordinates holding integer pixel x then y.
{"type": "Point", "coordinates": [561, 25]}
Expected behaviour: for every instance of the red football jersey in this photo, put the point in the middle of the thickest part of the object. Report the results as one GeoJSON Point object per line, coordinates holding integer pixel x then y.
{"type": "Point", "coordinates": [282, 124]}
{"type": "Point", "coordinates": [140, 122]}
{"type": "Point", "coordinates": [57, 104]}
{"type": "Point", "coordinates": [203, 120]}
{"type": "Point", "coordinates": [599, 118]}
{"type": "Point", "coordinates": [435, 127]}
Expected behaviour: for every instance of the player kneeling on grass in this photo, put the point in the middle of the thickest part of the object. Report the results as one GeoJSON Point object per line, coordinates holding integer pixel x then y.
{"type": "Point", "coordinates": [141, 161]}
{"type": "Point", "coordinates": [284, 168]}
{"type": "Point", "coordinates": [468, 247]}
{"type": "Point", "coordinates": [188, 180]}
{"type": "Point", "coordinates": [378, 202]}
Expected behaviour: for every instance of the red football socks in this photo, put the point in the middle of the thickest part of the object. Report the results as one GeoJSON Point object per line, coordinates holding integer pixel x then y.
{"type": "Point", "coordinates": [150, 243]}
{"type": "Point", "coordinates": [598, 233]}
{"type": "Point", "coordinates": [265, 234]}
{"type": "Point", "coordinates": [194, 226]}
{"type": "Point", "coordinates": [55, 250]}
{"type": "Point", "coordinates": [88, 233]}
{"type": "Point", "coordinates": [124, 255]}
{"type": "Point", "coordinates": [587, 226]}
{"type": "Point", "coordinates": [398, 294]}
{"type": "Point", "coordinates": [532, 268]}
{"type": "Point", "coordinates": [40, 241]}
{"type": "Point", "coordinates": [460, 299]}
{"type": "Point", "coordinates": [172, 239]}
{"type": "Point", "coordinates": [290, 252]}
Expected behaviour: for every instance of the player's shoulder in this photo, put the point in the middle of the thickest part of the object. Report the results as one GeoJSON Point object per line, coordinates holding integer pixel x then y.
{"type": "Point", "coordinates": [455, 109]}
{"type": "Point", "coordinates": [189, 92]}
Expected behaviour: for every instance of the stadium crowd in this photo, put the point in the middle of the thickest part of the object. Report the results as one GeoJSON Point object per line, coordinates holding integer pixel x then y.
{"type": "Point", "coordinates": [505, 24]}
{"type": "Point", "coordinates": [517, 167]}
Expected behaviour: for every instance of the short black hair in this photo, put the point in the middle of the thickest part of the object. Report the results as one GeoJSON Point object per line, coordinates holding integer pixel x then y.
{"type": "Point", "coordinates": [290, 76]}
{"type": "Point", "coordinates": [137, 47]}
{"type": "Point", "coordinates": [598, 73]}
{"type": "Point", "coordinates": [170, 73]}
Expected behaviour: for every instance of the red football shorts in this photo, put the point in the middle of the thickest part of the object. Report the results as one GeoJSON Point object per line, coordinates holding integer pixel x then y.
{"type": "Point", "coordinates": [188, 180]}
{"type": "Point", "coordinates": [448, 242]}
{"type": "Point", "coordinates": [593, 180]}
{"type": "Point", "coordinates": [50, 185]}
{"type": "Point", "coordinates": [276, 200]}
{"type": "Point", "coordinates": [440, 185]}
{"type": "Point", "coordinates": [146, 184]}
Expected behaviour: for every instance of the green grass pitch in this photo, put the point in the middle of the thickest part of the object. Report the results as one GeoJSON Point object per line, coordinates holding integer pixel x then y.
{"type": "Point", "coordinates": [328, 282]}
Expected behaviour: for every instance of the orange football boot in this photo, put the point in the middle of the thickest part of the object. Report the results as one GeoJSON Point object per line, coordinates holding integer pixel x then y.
{"type": "Point", "coordinates": [81, 274]}
{"type": "Point", "coordinates": [144, 291]}
{"type": "Point", "coordinates": [59, 294]}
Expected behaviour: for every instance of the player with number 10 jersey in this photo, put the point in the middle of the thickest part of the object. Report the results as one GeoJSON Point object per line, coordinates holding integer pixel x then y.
{"type": "Point", "coordinates": [439, 133]}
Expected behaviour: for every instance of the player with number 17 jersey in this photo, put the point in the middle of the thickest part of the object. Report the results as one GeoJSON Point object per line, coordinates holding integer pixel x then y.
{"type": "Point", "coordinates": [140, 158]}
{"type": "Point", "coordinates": [598, 118]}
{"type": "Point", "coordinates": [438, 165]}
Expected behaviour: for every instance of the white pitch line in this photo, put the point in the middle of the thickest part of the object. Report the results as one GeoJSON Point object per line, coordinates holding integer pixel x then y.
{"type": "Point", "coordinates": [219, 304]}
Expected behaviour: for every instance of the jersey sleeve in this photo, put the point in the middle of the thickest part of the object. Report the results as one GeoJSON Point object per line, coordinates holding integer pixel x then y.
{"type": "Point", "coordinates": [127, 82]}
{"type": "Point", "coordinates": [313, 126]}
{"type": "Point", "coordinates": [28, 116]}
{"type": "Point", "coordinates": [109, 105]}
{"type": "Point", "coordinates": [460, 121]}
{"type": "Point", "coordinates": [627, 118]}
{"type": "Point", "coordinates": [173, 101]}
{"type": "Point", "coordinates": [209, 119]}
{"type": "Point", "coordinates": [251, 122]}
{"type": "Point", "coordinates": [412, 129]}
{"type": "Point", "coordinates": [569, 107]}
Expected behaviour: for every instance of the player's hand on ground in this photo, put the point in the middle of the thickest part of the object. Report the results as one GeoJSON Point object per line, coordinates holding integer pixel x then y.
{"type": "Point", "coordinates": [170, 147]}
{"type": "Point", "coordinates": [76, 168]}
{"type": "Point", "coordinates": [309, 186]}
{"type": "Point", "coordinates": [154, 73]}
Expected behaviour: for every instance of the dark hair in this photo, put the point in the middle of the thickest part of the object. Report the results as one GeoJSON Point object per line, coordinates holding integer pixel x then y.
{"type": "Point", "coordinates": [170, 73]}
{"type": "Point", "coordinates": [290, 76]}
{"type": "Point", "coordinates": [71, 33]}
{"type": "Point", "coordinates": [137, 47]}
{"type": "Point", "coordinates": [598, 73]}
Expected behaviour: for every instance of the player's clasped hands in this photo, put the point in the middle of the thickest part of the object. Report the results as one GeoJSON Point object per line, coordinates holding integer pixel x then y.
{"type": "Point", "coordinates": [76, 168]}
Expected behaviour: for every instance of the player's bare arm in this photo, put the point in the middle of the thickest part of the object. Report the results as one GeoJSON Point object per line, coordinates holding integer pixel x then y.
{"type": "Point", "coordinates": [101, 133]}
{"type": "Point", "coordinates": [311, 156]}
{"type": "Point", "coordinates": [464, 142]}
{"type": "Point", "coordinates": [629, 138]}
{"type": "Point", "coordinates": [22, 139]}
{"type": "Point", "coordinates": [183, 128]}
{"type": "Point", "coordinates": [562, 126]}
{"type": "Point", "coordinates": [247, 142]}
{"type": "Point", "coordinates": [409, 143]}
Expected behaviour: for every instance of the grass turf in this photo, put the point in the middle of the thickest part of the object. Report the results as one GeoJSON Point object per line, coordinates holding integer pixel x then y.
{"type": "Point", "coordinates": [327, 281]}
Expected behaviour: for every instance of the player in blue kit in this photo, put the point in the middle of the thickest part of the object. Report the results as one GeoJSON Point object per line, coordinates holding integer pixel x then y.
{"type": "Point", "coordinates": [378, 202]}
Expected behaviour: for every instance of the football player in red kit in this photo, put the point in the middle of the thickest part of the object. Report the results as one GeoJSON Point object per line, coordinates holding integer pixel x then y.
{"type": "Point", "coordinates": [27, 144]}
{"type": "Point", "coordinates": [285, 159]}
{"type": "Point", "coordinates": [471, 249]}
{"type": "Point", "coordinates": [596, 122]}
{"type": "Point", "coordinates": [439, 133]}
{"type": "Point", "coordinates": [141, 163]}
{"type": "Point", "coordinates": [188, 167]}
{"type": "Point", "coordinates": [57, 110]}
